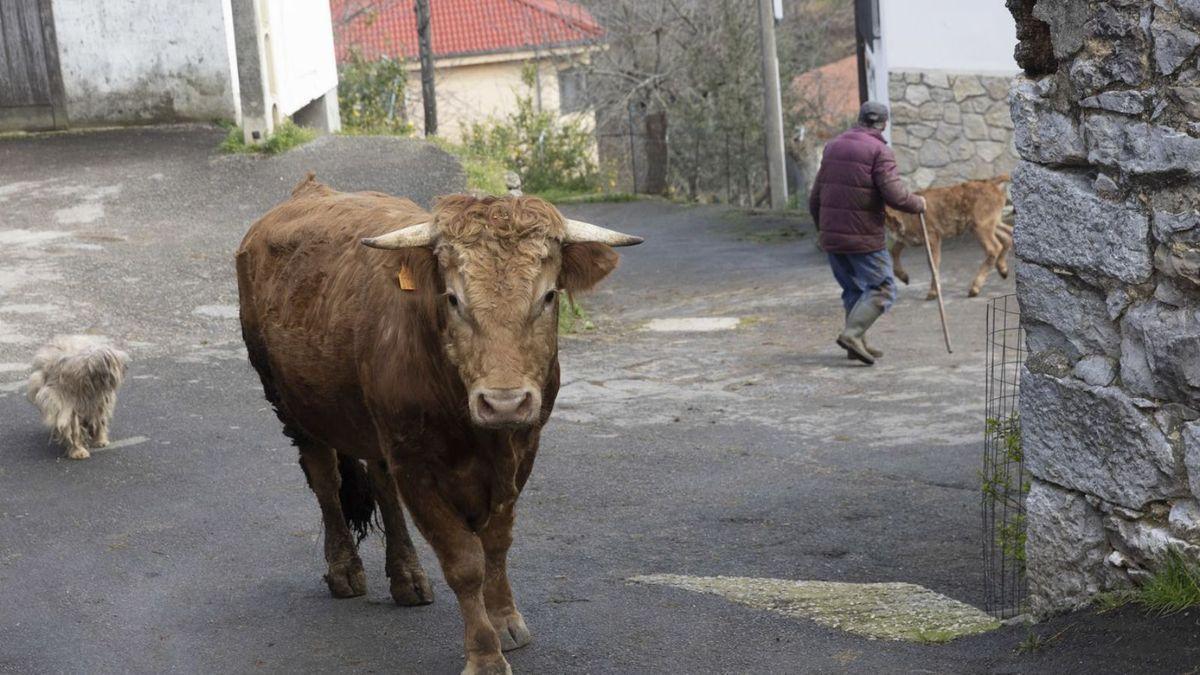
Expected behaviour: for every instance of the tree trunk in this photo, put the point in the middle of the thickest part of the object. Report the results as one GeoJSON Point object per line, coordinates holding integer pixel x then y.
{"type": "Point", "coordinates": [425, 42]}
{"type": "Point", "coordinates": [656, 153]}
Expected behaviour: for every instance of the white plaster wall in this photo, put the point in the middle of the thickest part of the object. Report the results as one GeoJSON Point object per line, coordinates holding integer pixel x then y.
{"type": "Point", "coordinates": [300, 45]}
{"type": "Point", "coordinates": [145, 60]}
{"type": "Point", "coordinates": [971, 36]}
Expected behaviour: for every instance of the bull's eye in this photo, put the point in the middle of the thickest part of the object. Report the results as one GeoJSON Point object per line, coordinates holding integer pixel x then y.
{"type": "Point", "coordinates": [452, 299]}
{"type": "Point", "coordinates": [551, 296]}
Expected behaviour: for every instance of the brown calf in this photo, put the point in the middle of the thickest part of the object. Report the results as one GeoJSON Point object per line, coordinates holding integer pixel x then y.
{"type": "Point", "coordinates": [418, 375]}
{"type": "Point", "coordinates": [975, 205]}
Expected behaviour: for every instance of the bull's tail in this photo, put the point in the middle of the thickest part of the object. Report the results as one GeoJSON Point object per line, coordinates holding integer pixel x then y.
{"type": "Point", "coordinates": [358, 502]}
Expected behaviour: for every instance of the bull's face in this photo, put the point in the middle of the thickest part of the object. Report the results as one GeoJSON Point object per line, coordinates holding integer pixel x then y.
{"type": "Point", "coordinates": [504, 264]}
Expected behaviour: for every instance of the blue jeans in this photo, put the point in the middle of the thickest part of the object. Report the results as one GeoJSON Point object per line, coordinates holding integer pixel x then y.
{"type": "Point", "coordinates": [866, 275]}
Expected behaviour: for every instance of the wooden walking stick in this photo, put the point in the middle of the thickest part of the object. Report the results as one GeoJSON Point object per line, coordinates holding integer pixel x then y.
{"type": "Point", "coordinates": [937, 284]}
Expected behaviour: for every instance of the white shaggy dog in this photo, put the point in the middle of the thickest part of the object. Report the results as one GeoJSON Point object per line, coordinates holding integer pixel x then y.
{"type": "Point", "coordinates": [74, 383]}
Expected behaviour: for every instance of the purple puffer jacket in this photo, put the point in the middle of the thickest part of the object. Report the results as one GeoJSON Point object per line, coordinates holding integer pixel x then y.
{"type": "Point", "coordinates": [857, 177]}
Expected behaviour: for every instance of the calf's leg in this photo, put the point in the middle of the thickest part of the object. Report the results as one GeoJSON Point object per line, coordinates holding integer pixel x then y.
{"type": "Point", "coordinates": [897, 268]}
{"type": "Point", "coordinates": [409, 586]}
{"type": "Point", "coordinates": [992, 250]}
{"type": "Point", "coordinates": [1004, 234]}
{"type": "Point", "coordinates": [935, 250]}
{"type": "Point", "coordinates": [345, 575]}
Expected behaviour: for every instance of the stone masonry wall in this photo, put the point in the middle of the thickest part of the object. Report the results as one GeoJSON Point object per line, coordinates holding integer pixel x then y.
{"type": "Point", "coordinates": [1108, 238]}
{"type": "Point", "coordinates": [950, 127]}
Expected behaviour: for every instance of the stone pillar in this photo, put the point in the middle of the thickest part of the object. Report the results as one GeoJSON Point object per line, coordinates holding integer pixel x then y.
{"type": "Point", "coordinates": [249, 35]}
{"type": "Point", "coordinates": [1108, 238]}
{"type": "Point", "coordinates": [321, 114]}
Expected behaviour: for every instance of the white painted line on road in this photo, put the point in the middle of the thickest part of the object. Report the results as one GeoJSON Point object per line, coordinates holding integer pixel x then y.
{"type": "Point", "coordinates": [217, 311]}
{"type": "Point", "coordinates": [886, 611]}
{"type": "Point", "coordinates": [123, 443]}
{"type": "Point", "coordinates": [693, 324]}
{"type": "Point", "coordinates": [13, 367]}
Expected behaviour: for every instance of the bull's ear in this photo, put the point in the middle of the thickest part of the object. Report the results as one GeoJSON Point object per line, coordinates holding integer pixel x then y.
{"type": "Point", "coordinates": [585, 265]}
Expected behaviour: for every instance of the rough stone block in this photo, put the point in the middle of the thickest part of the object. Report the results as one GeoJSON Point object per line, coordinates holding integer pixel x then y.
{"type": "Point", "coordinates": [1065, 549]}
{"type": "Point", "coordinates": [921, 131]}
{"type": "Point", "coordinates": [1146, 541]}
{"type": "Point", "coordinates": [930, 111]}
{"type": "Point", "coordinates": [997, 87]}
{"type": "Point", "coordinates": [967, 86]}
{"type": "Point", "coordinates": [1095, 440]}
{"type": "Point", "coordinates": [1179, 260]}
{"type": "Point", "coordinates": [937, 79]}
{"type": "Point", "coordinates": [1184, 520]}
{"type": "Point", "coordinates": [999, 116]}
{"type": "Point", "coordinates": [1072, 308]}
{"type": "Point", "coordinates": [916, 94]}
{"type": "Point", "coordinates": [933, 154]}
{"type": "Point", "coordinates": [1173, 42]}
{"type": "Point", "coordinates": [1042, 134]}
{"type": "Point", "coordinates": [1177, 226]}
{"type": "Point", "coordinates": [989, 151]}
{"type": "Point", "coordinates": [952, 113]}
{"type": "Point", "coordinates": [962, 150]}
{"type": "Point", "coordinates": [1062, 222]}
{"type": "Point", "coordinates": [1160, 352]}
{"type": "Point", "coordinates": [1191, 456]}
{"type": "Point", "coordinates": [947, 133]}
{"type": "Point", "coordinates": [1098, 371]}
{"type": "Point", "coordinates": [1140, 148]}
{"type": "Point", "coordinates": [1188, 99]}
{"type": "Point", "coordinates": [1124, 102]}
{"type": "Point", "coordinates": [1066, 19]}
{"type": "Point", "coordinates": [974, 126]}
{"type": "Point", "coordinates": [896, 87]}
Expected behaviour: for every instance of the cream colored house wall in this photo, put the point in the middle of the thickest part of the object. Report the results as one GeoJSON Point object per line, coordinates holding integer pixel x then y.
{"type": "Point", "coordinates": [469, 92]}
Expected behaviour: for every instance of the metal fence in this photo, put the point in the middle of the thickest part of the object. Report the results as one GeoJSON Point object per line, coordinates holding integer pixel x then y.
{"type": "Point", "coordinates": [1005, 482]}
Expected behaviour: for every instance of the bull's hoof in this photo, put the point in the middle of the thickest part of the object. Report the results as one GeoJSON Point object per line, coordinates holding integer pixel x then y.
{"type": "Point", "coordinates": [409, 590]}
{"type": "Point", "coordinates": [78, 453]}
{"type": "Point", "coordinates": [512, 630]}
{"type": "Point", "coordinates": [347, 579]}
{"type": "Point", "coordinates": [499, 667]}
{"type": "Point", "coordinates": [972, 292]}
{"type": "Point", "coordinates": [1003, 272]}
{"type": "Point", "coordinates": [931, 295]}
{"type": "Point", "coordinates": [902, 276]}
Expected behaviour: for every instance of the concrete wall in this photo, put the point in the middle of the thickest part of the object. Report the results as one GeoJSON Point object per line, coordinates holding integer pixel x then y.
{"type": "Point", "coordinates": [473, 92]}
{"type": "Point", "coordinates": [1108, 237]}
{"type": "Point", "coordinates": [145, 60]}
{"type": "Point", "coordinates": [962, 35]}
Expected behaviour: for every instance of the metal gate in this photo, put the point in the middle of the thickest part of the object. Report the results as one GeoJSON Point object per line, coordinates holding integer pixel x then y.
{"type": "Point", "coordinates": [31, 89]}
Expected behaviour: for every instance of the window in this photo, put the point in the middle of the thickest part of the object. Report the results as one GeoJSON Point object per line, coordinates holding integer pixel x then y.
{"type": "Point", "coordinates": [572, 90]}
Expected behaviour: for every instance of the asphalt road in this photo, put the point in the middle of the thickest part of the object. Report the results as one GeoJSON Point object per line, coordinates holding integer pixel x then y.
{"type": "Point", "coordinates": [194, 546]}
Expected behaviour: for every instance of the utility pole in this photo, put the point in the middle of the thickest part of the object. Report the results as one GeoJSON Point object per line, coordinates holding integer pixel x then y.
{"type": "Point", "coordinates": [425, 46]}
{"type": "Point", "coordinates": [772, 107]}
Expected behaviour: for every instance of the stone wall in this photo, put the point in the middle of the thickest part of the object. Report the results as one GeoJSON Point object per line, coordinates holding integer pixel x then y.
{"type": "Point", "coordinates": [950, 127]}
{"type": "Point", "coordinates": [1108, 237]}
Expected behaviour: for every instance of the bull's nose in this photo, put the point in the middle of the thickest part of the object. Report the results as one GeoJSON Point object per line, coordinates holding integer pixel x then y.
{"type": "Point", "coordinates": [505, 406]}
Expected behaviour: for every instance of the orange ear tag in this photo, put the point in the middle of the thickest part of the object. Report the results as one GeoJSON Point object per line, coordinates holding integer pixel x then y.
{"type": "Point", "coordinates": [405, 278]}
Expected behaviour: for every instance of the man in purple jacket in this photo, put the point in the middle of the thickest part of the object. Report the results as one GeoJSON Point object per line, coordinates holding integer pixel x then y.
{"type": "Point", "coordinates": [857, 178]}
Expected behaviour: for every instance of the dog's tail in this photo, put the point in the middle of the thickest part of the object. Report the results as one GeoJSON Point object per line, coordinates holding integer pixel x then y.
{"type": "Point", "coordinates": [358, 501]}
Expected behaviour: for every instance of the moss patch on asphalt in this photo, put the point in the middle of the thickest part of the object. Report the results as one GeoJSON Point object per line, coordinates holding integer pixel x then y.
{"type": "Point", "coordinates": [882, 611]}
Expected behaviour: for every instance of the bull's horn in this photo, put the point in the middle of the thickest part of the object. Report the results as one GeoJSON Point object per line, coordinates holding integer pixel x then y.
{"type": "Point", "coordinates": [421, 234]}
{"type": "Point", "coordinates": [579, 232]}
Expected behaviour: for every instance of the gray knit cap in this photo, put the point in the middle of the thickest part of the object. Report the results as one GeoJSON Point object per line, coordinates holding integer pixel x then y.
{"type": "Point", "coordinates": [873, 114]}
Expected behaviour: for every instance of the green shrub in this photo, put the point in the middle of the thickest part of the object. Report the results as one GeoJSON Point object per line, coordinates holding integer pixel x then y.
{"type": "Point", "coordinates": [546, 151]}
{"type": "Point", "coordinates": [371, 96]}
{"type": "Point", "coordinates": [571, 316]}
{"type": "Point", "coordinates": [287, 136]}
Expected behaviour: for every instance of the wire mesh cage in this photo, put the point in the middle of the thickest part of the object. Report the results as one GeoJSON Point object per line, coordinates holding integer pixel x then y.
{"type": "Point", "coordinates": [1005, 482]}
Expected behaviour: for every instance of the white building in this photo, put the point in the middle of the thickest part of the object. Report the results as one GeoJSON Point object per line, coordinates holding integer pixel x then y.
{"type": "Point", "coordinates": [72, 63]}
{"type": "Point", "coordinates": [944, 67]}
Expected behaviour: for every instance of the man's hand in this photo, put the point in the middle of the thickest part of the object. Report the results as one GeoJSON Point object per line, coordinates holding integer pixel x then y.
{"type": "Point", "coordinates": [920, 204]}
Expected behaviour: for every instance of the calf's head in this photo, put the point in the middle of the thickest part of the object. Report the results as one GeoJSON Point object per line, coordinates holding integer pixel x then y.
{"type": "Point", "coordinates": [502, 265]}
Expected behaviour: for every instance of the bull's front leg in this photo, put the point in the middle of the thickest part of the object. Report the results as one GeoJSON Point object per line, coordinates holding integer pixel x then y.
{"type": "Point", "coordinates": [496, 538]}
{"type": "Point", "coordinates": [463, 561]}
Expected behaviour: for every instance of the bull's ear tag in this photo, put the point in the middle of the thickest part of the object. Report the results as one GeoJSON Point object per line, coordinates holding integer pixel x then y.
{"type": "Point", "coordinates": [405, 278]}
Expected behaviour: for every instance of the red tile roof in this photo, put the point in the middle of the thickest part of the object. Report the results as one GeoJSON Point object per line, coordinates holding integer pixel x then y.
{"type": "Point", "coordinates": [827, 97]}
{"type": "Point", "coordinates": [460, 27]}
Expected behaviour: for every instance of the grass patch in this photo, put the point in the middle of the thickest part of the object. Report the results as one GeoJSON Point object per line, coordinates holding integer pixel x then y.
{"type": "Point", "coordinates": [485, 174]}
{"type": "Point", "coordinates": [1172, 589]}
{"type": "Point", "coordinates": [287, 136]}
{"type": "Point", "coordinates": [1034, 642]}
{"type": "Point", "coordinates": [557, 196]}
{"type": "Point", "coordinates": [571, 317]}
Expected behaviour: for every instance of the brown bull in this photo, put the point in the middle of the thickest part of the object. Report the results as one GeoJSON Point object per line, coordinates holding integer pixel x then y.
{"type": "Point", "coordinates": [429, 366]}
{"type": "Point", "coordinates": [975, 205]}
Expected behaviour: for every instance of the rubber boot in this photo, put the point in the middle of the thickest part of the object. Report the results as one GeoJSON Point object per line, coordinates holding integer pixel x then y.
{"type": "Point", "coordinates": [864, 314]}
{"type": "Point", "coordinates": [876, 353]}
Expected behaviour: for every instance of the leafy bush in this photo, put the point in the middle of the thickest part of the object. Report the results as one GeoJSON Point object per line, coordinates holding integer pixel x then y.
{"type": "Point", "coordinates": [371, 96]}
{"type": "Point", "coordinates": [287, 136]}
{"type": "Point", "coordinates": [545, 150]}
